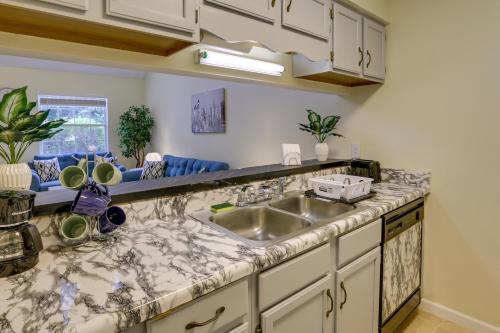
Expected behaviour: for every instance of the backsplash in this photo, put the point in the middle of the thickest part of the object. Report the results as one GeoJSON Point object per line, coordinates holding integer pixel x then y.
{"type": "Point", "coordinates": [403, 177]}
{"type": "Point", "coordinates": [178, 205]}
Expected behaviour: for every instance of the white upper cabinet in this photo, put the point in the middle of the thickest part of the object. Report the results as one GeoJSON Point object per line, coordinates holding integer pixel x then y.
{"type": "Point", "coordinates": [262, 9]}
{"type": "Point", "coordinates": [282, 26]}
{"type": "Point", "coordinates": [357, 52]}
{"type": "Point", "coordinates": [374, 47]}
{"type": "Point", "coordinates": [78, 4]}
{"type": "Point", "coordinates": [173, 14]}
{"type": "Point", "coordinates": [308, 16]}
{"type": "Point", "coordinates": [347, 39]}
{"type": "Point", "coordinates": [358, 286]}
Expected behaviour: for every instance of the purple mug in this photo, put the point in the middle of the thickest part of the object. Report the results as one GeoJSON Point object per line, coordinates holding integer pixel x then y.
{"type": "Point", "coordinates": [91, 201]}
{"type": "Point", "coordinates": [111, 219]}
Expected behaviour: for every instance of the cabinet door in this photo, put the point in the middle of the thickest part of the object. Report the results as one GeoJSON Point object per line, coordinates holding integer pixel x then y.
{"type": "Point", "coordinates": [347, 39]}
{"type": "Point", "coordinates": [262, 9]}
{"type": "Point", "coordinates": [309, 16]}
{"type": "Point", "coordinates": [78, 4]}
{"type": "Point", "coordinates": [357, 287]}
{"type": "Point", "coordinates": [174, 14]}
{"type": "Point", "coordinates": [374, 46]}
{"type": "Point", "coordinates": [310, 310]}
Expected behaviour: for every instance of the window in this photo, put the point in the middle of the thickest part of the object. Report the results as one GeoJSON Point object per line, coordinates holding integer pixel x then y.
{"type": "Point", "coordinates": [87, 123]}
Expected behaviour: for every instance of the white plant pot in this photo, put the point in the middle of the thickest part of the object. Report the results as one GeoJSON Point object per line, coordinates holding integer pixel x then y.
{"type": "Point", "coordinates": [321, 150]}
{"type": "Point", "coordinates": [15, 175]}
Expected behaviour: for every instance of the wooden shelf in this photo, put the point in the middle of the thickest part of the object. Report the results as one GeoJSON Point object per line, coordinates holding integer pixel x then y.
{"type": "Point", "coordinates": [340, 79]}
{"type": "Point", "coordinates": [40, 24]}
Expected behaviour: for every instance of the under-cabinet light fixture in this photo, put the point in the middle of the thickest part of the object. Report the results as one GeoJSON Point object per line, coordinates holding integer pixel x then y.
{"type": "Point", "coordinates": [225, 60]}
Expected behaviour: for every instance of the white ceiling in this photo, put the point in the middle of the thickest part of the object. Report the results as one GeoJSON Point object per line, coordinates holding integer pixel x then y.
{"type": "Point", "coordinates": [15, 61]}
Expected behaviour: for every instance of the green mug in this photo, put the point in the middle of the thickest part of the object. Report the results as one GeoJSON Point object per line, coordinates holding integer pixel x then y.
{"type": "Point", "coordinates": [73, 177]}
{"type": "Point", "coordinates": [82, 164]}
{"type": "Point", "coordinates": [106, 174]}
{"type": "Point", "coordinates": [74, 228]}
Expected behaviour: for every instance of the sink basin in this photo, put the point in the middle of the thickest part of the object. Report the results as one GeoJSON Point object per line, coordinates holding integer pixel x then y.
{"type": "Point", "coordinates": [313, 209]}
{"type": "Point", "coordinates": [259, 225]}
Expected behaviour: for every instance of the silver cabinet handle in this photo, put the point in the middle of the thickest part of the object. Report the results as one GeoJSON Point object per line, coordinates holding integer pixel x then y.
{"type": "Point", "coordinates": [194, 324]}
{"type": "Point", "coordinates": [369, 58]}
{"type": "Point", "coordinates": [345, 295]}
{"type": "Point", "coordinates": [289, 5]}
{"type": "Point", "coordinates": [329, 294]}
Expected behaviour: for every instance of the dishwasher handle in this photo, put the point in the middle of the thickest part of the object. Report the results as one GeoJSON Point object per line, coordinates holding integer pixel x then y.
{"type": "Point", "coordinates": [403, 223]}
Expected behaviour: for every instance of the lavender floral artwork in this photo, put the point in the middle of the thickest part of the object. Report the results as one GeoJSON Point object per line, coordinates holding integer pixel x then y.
{"type": "Point", "coordinates": [208, 112]}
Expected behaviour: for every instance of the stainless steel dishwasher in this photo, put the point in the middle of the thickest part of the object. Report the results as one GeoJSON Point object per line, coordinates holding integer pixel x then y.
{"type": "Point", "coordinates": [401, 264]}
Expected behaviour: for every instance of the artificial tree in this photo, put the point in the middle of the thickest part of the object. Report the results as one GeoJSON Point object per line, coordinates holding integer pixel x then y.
{"type": "Point", "coordinates": [134, 130]}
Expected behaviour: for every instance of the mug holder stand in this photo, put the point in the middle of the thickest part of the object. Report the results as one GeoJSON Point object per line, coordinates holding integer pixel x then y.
{"type": "Point", "coordinates": [95, 238]}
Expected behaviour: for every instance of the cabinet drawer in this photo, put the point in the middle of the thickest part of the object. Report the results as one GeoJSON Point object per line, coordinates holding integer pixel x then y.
{"type": "Point", "coordinates": [243, 328]}
{"type": "Point", "coordinates": [358, 242]}
{"type": "Point", "coordinates": [234, 299]}
{"type": "Point", "coordinates": [291, 276]}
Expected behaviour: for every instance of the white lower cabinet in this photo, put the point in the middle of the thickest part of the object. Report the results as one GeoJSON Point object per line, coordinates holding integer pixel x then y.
{"type": "Point", "coordinates": [310, 310]}
{"type": "Point", "coordinates": [357, 295]}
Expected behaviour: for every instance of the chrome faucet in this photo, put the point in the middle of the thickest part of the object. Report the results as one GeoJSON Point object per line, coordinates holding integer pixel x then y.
{"type": "Point", "coordinates": [281, 187]}
{"type": "Point", "coordinates": [249, 195]}
{"type": "Point", "coordinates": [246, 195]}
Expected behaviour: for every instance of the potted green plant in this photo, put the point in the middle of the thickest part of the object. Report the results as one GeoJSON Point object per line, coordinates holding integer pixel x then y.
{"type": "Point", "coordinates": [134, 130]}
{"type": "Point", "coordinates": [19, 128]}
{"type": "Point", "coordinates": [321, 129]}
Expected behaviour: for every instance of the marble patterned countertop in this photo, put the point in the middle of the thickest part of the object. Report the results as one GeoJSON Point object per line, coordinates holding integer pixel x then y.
{"type": "Point", "coordinates": [158, 264]}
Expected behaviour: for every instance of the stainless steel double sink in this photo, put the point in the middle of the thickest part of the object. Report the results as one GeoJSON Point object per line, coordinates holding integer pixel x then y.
{"type": "Point", "coordinates": [265, 224]}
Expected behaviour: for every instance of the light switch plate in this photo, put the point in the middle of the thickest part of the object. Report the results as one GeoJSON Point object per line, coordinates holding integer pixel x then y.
{"type": "Point", "coordinates": [355, 151]}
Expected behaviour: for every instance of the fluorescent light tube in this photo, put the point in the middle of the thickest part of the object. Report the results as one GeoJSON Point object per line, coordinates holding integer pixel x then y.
{"type": "Point", "coordinates": [225, 60]}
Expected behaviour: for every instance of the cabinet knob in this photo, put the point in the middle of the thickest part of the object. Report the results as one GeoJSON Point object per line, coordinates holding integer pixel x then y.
{"type": "Point", "coordinates": [273, 3]}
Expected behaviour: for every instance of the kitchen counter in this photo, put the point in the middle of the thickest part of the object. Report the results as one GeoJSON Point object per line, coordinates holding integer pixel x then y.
{"type": "Point", "coordinates": [153, 265]}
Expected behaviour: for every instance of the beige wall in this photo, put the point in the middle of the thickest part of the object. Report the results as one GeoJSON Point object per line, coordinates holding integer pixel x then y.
{"type": "Point", "coordinates": [120, 91]}
{"type": "Point", "coordinates": [439, 111]}
{"type": "Point", "coordinates": [259, 119]}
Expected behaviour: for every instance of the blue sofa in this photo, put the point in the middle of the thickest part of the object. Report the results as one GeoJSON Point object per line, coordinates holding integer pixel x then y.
{"type": "Point", "coordinates": [179, 166]}
{"type": "Point", "coordinates": [65, 160]}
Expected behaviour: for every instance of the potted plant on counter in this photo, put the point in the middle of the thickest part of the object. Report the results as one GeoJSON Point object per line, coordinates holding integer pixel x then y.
{"type": "Point", "coordinates": [19, 128]}
{"type": "Point", "coordinates": [321, 129]}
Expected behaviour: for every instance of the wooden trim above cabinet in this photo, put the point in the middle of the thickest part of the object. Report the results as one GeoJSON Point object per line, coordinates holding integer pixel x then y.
{"type": "Point", "coordinates": [40, 24]}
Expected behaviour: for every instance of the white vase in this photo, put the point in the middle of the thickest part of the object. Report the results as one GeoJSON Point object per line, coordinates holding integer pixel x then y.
{"type": "Point", "coordinates": [15, 175]}
{"type": "Point", "coordinates": [321, 150]}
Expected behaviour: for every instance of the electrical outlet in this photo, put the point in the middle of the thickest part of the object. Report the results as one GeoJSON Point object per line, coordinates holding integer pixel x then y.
{"type": "Point", "coordinates": [355, 151]}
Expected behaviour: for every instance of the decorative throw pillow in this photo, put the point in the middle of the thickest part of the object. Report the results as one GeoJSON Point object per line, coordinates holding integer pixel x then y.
{"type": "Point", "coordinates": [101, 159]}
{"type": "Point", "coordinates": [47, 169]}
{"type": "Point", "coordinates": [153, 170]}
